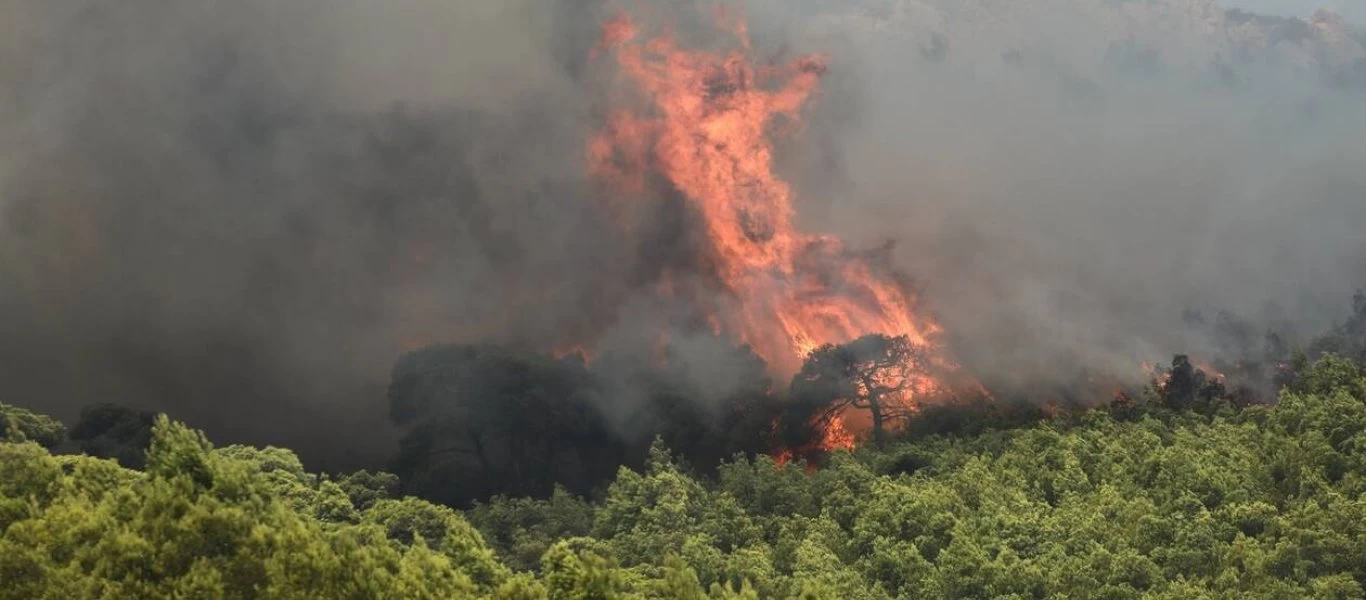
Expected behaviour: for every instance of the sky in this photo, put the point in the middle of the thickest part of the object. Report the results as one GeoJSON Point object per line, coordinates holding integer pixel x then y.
{"type": "Point", "coordinates": [1355, 10]}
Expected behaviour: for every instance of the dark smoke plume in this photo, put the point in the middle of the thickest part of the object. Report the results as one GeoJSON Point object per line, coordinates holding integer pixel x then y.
{"type": "Point", "coordinates": [243, 212]}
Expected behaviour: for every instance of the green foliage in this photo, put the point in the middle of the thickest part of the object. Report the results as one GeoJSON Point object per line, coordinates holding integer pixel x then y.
{"type": "Point", "coordinates": [1330, 375]}
{"type": "Point", "coordinates": [522, 529]}
{"type": "Point", "coordinates": [1183, 501]}
{"type": "Point", "coordinates": [19, 425]}
{"type": "Point", "coordinates": [282, 475]}
{"type": "Point", "coordinates": [1262, 502]}
{"type": "Point", "coordinates": [365, 488]}
{"type": "Point", "coordinates": [203, 523]}
{"type": "Point", "coordinates": [410, 522]}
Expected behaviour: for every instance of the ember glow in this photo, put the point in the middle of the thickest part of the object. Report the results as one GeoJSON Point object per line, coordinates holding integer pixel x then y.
{"type": "Point", "coordinates": [705, 130]}
{"type": "Point", "coordinates": [835, 436]}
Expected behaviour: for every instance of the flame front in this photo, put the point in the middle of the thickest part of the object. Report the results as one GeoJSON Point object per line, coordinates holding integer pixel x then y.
{"type": "Point", "coordinates": [706, 133]}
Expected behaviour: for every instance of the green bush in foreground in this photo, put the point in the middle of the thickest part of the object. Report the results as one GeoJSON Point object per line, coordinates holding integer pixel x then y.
{"type": "Point", "coordinates": [1266, 502]}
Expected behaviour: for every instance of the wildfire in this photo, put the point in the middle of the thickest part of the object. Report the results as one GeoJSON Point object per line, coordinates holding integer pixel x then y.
{"type": "Point", "coordinates": [836, 436]}
{"type": "Point", "coordinates": [1209, 370]}
{"type": "Point", "coordinates": [706, 134]}
{"type": "Point", "coordinates": [1160, 377]}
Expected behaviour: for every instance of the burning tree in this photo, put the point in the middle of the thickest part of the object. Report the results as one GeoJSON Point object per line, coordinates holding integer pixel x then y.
{"type": "Point", "coordinates": [704, 135]}
{"type": "Point", "coordinates": [877, 373]}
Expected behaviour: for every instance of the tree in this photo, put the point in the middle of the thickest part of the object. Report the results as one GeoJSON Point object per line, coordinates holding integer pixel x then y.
{"type": "Point", "coordinates": [1355, 328]}
{"type": "Point", "coordinates": [200, 523]}
{"type": "Point", "coordinates": [485, 420]}
{"type": "Point", "coordinates": [365, 488]}
{"type": "Point", "coordinates": [20, 425]}
{"type": "Point", "coordinates": [1348, 339]}
{"type": "Point", "coordinates": [704, 410]}
{"type": "Point", "coordinates": [114, 431]}
{"type": "Point", "coordinates": [875, 373]}
{"type": "Point", "coordinates": [1186, 387]}
{"type": "Point", "coordinates": [1264, 502]}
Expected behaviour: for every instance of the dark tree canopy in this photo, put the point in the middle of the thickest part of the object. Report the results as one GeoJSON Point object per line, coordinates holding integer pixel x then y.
{"type": "Point", "coordinates": [1191, 388]}
{"type": "Point", "coordinates": [485, 420]}
{"type": "Point", "coordinates": [114, 431]}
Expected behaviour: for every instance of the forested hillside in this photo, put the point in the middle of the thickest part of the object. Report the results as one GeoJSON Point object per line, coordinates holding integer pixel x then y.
{"type": "Point", "coordinates": [588, 299]}
{"type": "Point", "coordinates": [1134, 499]}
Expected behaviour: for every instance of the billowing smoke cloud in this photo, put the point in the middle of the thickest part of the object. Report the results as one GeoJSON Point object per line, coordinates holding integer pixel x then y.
{"type": "Point", "coordinates": [1068, 178]}
{"type": "Point", "coordinates": [243, 212]}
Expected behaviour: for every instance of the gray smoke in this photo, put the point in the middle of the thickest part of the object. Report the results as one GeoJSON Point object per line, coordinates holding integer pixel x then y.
{"type": "Point", "coordinates": [243, 212]}
{"type": "Point", "coordinates": [1068, 178]}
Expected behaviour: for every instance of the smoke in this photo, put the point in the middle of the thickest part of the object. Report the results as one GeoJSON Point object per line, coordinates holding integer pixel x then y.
{"type": "Point", "coordinates": [243, 212]}
{"type": "Point", "coordinates": [1066, 179]}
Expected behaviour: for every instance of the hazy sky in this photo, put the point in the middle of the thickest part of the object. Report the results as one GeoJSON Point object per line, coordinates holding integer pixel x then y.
{"type": "Point", "coordinates": [1352, 9]}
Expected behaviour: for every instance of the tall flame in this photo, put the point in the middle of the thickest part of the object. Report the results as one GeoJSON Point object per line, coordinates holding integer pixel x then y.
{"type": "Point", "coordinates": [706, 132]}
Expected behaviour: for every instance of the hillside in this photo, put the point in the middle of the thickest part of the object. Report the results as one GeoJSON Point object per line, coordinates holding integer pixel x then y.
{"type": "Point", "coordinates": [1127, 501]}
{"type": "Point", "coordinates": [823, 300]}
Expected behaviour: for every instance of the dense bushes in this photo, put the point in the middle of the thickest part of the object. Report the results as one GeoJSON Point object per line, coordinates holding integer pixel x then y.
{"type": "Point", "coordinates": [1259, 502]}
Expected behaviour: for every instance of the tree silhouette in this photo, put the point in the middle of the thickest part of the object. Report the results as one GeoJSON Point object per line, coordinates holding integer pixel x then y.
{"type": "Point", "coordinates": [485, 420]}
{"type": "Point", "coordinates": [874, 373]}
{"type": "Point", "coordinates": [115, 431]}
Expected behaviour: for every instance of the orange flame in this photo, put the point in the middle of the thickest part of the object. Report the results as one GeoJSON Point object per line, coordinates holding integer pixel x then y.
{"type": "Point", "coordinates": [1209, 369]}
{"type": "Point", "coordinates": [707, 135]}
{"type": "Point", "coordinates": [836, 437]}
{"type": "Point", "coordinates": [1160, 378]}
